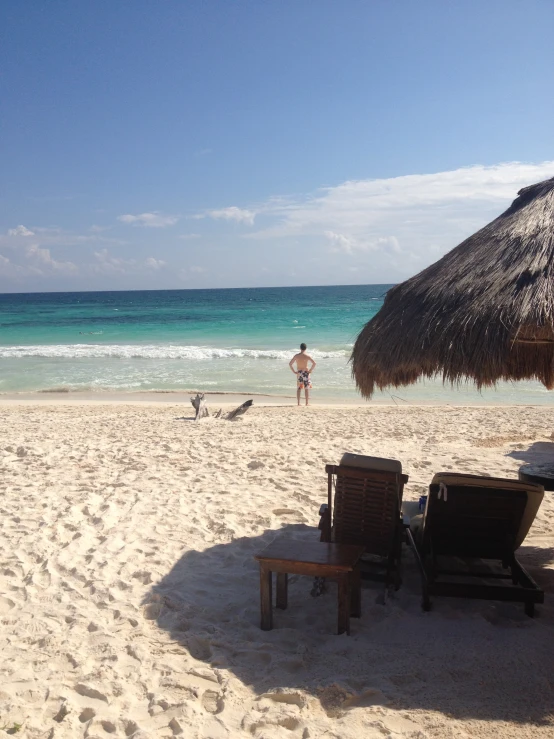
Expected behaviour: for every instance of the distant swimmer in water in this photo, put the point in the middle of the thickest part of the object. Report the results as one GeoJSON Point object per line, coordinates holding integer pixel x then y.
{"type": "Point", "coordinates": [302, 372]}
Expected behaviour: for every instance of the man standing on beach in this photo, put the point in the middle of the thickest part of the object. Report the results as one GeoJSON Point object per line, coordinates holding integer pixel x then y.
{"type": "Point", "coordinates": [302, 372]}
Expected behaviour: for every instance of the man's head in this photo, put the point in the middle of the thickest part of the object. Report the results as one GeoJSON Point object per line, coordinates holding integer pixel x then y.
{"type": "Point", "coordinates": [303, 347]}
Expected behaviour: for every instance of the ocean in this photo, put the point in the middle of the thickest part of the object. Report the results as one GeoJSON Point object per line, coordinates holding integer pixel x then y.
{"type": "Point", "coordinates": [228, 340]}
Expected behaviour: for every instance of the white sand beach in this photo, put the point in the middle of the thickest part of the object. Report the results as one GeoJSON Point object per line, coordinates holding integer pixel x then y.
{"type": "Point", "coordinates": [129, 595]}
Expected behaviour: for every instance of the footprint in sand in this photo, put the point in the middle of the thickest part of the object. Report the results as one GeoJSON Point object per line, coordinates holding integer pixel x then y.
{"type": "Point", "coordinates": [6, 604]}
{"type": "Point", "coordinates": [176, 727]}
{"type": "Point", "coordinates": [286, 722]}
{"type": "Point", "coordinates": [143, 576]}
{"type": "Point", "coordinates": [255, 464]}
{"type": "Point", "coordinates": [87, 691]}
{"type": "Point", "coordinates": [199, 648]}
{"type": "Point", "coordinates": [152, 611]}
{"type": "Point", "coordinates": [87, 715]}
{"type": "Point", "coordinates": [61, 714]}
{"type": "Point", "coordinates": [212, 702]}
{"type": "Point", "coordinates": [282, 696]}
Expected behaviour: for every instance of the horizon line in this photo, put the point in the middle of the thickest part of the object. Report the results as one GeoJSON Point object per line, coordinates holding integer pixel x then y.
{"type": "Point", "coordinates": [195, 289]}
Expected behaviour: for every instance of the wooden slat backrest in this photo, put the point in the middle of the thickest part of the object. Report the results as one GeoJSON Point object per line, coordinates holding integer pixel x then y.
{"type": "Point", "coordinates": [366, 507]}
{"type": "Point", "coordinates": [473, 521]}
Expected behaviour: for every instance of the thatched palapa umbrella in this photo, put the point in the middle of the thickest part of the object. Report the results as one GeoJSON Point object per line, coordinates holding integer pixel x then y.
{"type": "Point", "coordinates": [485, 311]}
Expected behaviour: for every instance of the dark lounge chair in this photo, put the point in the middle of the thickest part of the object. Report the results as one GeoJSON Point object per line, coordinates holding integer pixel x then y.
{"type": "Point", "coordinates": [471, 529]}
{"type": "Point", "coordinates": [366, 510]}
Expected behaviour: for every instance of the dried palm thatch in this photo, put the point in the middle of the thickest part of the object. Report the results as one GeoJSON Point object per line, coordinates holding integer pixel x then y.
{"type": "Point", "coordinates": [483, 312]}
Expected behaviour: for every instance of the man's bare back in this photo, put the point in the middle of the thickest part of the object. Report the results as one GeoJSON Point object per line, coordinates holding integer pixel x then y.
{"type": "Point", "coordinates": [304, 367]}
{"type": "Point", "coordinates": [302, 360]}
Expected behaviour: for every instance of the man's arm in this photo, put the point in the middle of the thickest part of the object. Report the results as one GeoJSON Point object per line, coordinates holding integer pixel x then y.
{"type": "Point", "coordinates": [313, 365]}
{"type": "Point", "coordinates": [292, 361]}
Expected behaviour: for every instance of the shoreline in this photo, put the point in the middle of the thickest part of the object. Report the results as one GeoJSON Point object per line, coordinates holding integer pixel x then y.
{"type": "Point", "coordinates": [223, 398]}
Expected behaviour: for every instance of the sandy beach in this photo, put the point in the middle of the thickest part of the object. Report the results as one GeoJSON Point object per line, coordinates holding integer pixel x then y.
{"type": "Point", "coordinates": [129, 592]}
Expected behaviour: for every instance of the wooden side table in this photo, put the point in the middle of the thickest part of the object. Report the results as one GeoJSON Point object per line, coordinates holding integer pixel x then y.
{"type": "Point", "coordinates": [541, 473]}
{"type": "Point", "coordinates": [316, 559]}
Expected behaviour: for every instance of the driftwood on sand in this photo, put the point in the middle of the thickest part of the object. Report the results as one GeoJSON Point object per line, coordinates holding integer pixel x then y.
{"type": "Point", "coordinates": [240, 410]}
{"type": "Point", "coordinates": [199, 405]}
{"type": "Point", "coordinates": [201, 408]}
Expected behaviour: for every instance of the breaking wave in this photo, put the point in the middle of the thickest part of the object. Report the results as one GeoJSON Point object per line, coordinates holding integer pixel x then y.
{"type": "Point", "coordinates": [153, 351]}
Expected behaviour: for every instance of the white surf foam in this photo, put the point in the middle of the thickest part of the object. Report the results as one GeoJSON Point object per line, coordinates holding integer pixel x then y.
{"type": "Point", "coordinates": [153, 351]}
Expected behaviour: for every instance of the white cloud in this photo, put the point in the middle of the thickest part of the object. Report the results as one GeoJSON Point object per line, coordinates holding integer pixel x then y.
{"type": "Point", "coordinates": [48, 230]}
{"type": "Point", "coordinates": [152, 263]}
{"type": "Point", "coordinates": [10, 270]}
{"type": "Point", "coordinates": [240, 215]}
{"type": "Point", "coordinates": [373, 231]}
{"type": "Point", "coordinates": [387, 244]}
{"type": "Point", "coordinates": [150, 220]}
{"type": "Point", "coordinates": [405, 222]}
{"type": "Point", "coordinates": [52, 237]}
{"type": "Point", "coordinates": [20, 231]}
{"type": "Point", "coordinates": [340, 242]}
{"type": "Point", "coordinates": [354, 206]}
{"type": "Point", "coordinates": [398, 225]}
{"type": "Point", "coordinates": [192, 273]}
{"type": "Point", "coordinates": [34, 261]}
{"type": "Point", "coordinates": [349, 245]}
{"type": "Point", "coordinates": [108, 264]}
{"type": "Point", "coordinates": [42, 259]}
{"type": "Point", "coordinates": [39, 260]}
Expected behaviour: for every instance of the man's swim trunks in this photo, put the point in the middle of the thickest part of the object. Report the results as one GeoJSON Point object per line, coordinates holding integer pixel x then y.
{"type": "Point", "coordinates": [303, 379]}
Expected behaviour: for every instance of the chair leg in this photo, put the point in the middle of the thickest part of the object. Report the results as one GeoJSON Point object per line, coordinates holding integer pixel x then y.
{"type": "Point", "coordinates": [398, 560]}
{"type": "Point", "coordinates": [344, 604]}
{"type": "Point", "coordinates": [425, 599]}
{"type": "Point", "coordinates": [514, 569]}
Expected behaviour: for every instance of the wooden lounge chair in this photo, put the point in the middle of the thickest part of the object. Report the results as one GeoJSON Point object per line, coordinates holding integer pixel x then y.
{"type": "Point", "coordinates": [471, 529]}
{"type": "Point", "coordinates": [366, 510]}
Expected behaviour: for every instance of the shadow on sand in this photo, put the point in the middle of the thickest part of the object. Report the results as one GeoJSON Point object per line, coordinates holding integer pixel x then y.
{"type": "Point", "coordinates": [540, 452]}
{"type": "Point", "coordinates": [466, 659]}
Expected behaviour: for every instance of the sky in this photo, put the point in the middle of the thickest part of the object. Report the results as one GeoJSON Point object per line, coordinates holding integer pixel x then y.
{"type": "Point", "coordinates": [175, 144]}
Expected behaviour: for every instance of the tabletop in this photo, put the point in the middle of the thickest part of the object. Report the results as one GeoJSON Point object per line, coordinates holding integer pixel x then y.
{"type": "Point", "coordinates": [340, 556]}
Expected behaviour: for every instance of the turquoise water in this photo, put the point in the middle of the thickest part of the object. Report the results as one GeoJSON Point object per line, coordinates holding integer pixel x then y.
{"type": "Point", "coordinates": [214, 340]}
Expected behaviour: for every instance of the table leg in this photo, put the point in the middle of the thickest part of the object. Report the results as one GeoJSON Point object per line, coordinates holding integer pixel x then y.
{"type": "Point", "coordinates": [355, 593]}
{"type": "Point", "coordinates": [265, 598]}
{"type": "Point", "coordinates": [282, 589]}
{"type": "Point", "coordinates": [344, 603]}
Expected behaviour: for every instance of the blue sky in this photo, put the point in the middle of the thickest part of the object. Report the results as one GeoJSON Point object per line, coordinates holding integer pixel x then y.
{"type": "Point", "coordinates": [285, 142]}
